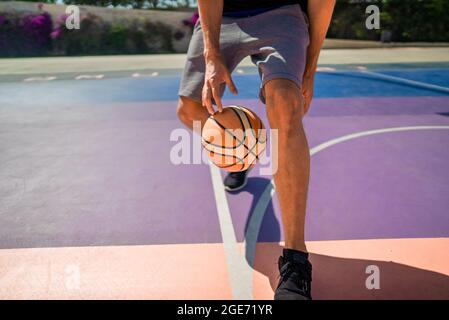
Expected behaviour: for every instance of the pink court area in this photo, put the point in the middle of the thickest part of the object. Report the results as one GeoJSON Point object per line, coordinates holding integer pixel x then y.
{"type": "Point", "coordinates": [408, 269]}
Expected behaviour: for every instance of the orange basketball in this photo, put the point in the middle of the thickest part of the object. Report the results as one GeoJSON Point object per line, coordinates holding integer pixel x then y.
{"type": "Point", "coordinates": [234, 138]}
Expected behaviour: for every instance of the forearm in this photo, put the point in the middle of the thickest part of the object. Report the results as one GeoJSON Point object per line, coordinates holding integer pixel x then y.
{"type": "Point", "coordinates": [320, 14]}
{"type": "Point", "coordinates": [210, 15]}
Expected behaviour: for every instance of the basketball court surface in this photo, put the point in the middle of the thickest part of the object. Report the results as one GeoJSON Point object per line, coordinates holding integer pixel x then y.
{"type": "Point", "coordinates": [92, 208]}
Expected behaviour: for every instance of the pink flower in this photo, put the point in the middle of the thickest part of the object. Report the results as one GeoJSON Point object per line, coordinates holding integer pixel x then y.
{"type": "Point", "coordinates": [55, 33]}
{"type": "Point", "coordinates": [62, 19]}
{"type": "Point", "coordinates": [193, 19]}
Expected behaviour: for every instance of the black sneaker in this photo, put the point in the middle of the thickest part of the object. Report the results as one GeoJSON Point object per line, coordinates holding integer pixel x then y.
{"type": "Point", "coordinates": [236, 180]}
{"type": "Point", "coordinates": [295, 276]}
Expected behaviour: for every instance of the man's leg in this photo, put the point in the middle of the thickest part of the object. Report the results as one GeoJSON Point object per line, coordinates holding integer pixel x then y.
{"type": "Point", "coordinates": [189, 111]}
{"type": "Point", "coordinates": [284, 104]}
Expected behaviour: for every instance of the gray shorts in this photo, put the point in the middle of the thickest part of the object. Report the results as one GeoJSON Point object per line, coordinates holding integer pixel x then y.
{"type": "Point", "coordinates": [276, 40]}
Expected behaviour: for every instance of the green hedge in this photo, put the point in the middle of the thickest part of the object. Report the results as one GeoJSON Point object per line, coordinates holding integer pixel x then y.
{"type": "Point", "coordinates": [34, 34]}
{"type": "Point", "coordinates": [136, 4]}
{"type": "Point", "coordinates": [121, 37]}
{"type": "Point", "coordinates": [408, 20]}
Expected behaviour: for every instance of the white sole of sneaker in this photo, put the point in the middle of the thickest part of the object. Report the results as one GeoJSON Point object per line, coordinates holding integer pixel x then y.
{"type": "Point", "coordinates": [239, 188]}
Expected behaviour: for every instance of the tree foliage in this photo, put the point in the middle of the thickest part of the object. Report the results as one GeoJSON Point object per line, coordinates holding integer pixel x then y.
{"type": "Point", "coordinates": [407, 20]}
{"type": "Point", "coordinates": [411, 20]}
{"type": "Point", "coordinates": [136, 4]}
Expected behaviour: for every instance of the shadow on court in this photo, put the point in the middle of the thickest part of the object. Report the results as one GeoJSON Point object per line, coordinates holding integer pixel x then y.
{"type": "Point", "coordinates": [343, 278]}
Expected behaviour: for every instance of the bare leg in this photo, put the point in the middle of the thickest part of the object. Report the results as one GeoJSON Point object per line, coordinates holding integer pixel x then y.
{"type": "Point", "coordinates": [190, 110]}
{"type": "Point", "coordinates": [285, 110]}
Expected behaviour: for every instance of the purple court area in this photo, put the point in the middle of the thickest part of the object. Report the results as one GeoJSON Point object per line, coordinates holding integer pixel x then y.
{"type": "Point", "coordinates": [79, 174]}
{"type": "Point", "coordinates": [391, 185]}
{"type": "Point", "coordinates": [100, 175]}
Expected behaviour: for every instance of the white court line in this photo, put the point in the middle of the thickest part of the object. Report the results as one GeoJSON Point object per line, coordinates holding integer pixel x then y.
{"type": "Point", "coordinates": [262, 204]}
{"type": "Point", "coordinates": [49, 78]}
{"type": "Point", "coordinates": [384, 77]}
{"type": "Point", "coordinates": [413, 83]}
{"type": "Point", "coordinates": [335, 141]}
{"type": "Point", "coordinates": [89, 77]}
{"type": "Point", "coordinates": [325, 69]}
{"type": "Point", "coordinates": [239, 271]}
{"type": "Point", "coordinates": [153, 74]}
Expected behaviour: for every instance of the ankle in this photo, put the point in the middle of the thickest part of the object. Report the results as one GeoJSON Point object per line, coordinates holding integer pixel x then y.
{"type": "Point", "coordinates": [295, 255]}
{"type": "Point", "coordinates": [299, 246]}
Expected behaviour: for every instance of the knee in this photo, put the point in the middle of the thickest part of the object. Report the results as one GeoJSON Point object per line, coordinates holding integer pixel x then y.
{"type": "Point", "coordinates": [187, 111]}
{"type": "Point", "coordinates": [284, 105]}
{"type": "Point", "coordinates": [183, 111]}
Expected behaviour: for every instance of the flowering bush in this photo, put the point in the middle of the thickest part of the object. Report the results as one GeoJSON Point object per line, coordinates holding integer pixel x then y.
{"type": "Point", "coordinates": [37, 29]}
{"type": "Point", "coordinates": [35, 34]}
{"type": "Point", "coordinates": [26, 35]}
{"type": "Point", "coordinates": [192, 20]}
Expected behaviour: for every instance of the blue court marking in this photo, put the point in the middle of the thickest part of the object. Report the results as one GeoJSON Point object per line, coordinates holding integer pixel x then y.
{"type": "Point", "coordinates": [439, 77]}
{"type": "Point", "coordinates": [350, 84]}
{"type": "Point", "coordinates": [346, 83]}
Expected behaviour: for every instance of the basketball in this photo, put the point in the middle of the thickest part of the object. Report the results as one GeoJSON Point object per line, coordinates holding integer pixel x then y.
{"type": "Point", "coordinates": [234, 138]}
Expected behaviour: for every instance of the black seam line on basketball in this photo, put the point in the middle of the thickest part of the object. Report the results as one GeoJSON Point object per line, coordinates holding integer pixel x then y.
{"type": "Point", "coordinates": [238, 160]}
{"type": "Point", "coordinates": [226, 130]}
{"type": "Point", "coordinates": [257, 158]}
{"type": "Point", "coordinates": [230, 165]}
{"type": "Point", "coordinates": [260, 153]}
{"type": "Point", "coordinates": [258, 138]}
{"type": "Point", "coordinates": [244, 131]}
{"type": "Point", "coordinates": [241, 122]}
{"type": "Point", "coordinates": [252, 130]}
{"type": "Point", "coordinates": [227, 166]}
{"type": "Point", "coordinates": [206, 145]}
{"type": "Point", "coordinates": [236, 157]}
{"type": "Point", "coordinates": [220, 146]}
{"type": "Point", "coordinates": [252, 162]}
{"type": "Point", "coordinates": [243, 126]}
{"type": "Point", "coordinates": [206, 142]}
{"type": "Point", "coordinates": [260, 133]}
{"type": "Point", "coordinates": [257, 155]}
{"type": "Point", "coordinates": [223, 155]}
{"type": "Point", "coordinates": [261, 128]}
{"type": "Point", "coordinates": [250, 125]}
